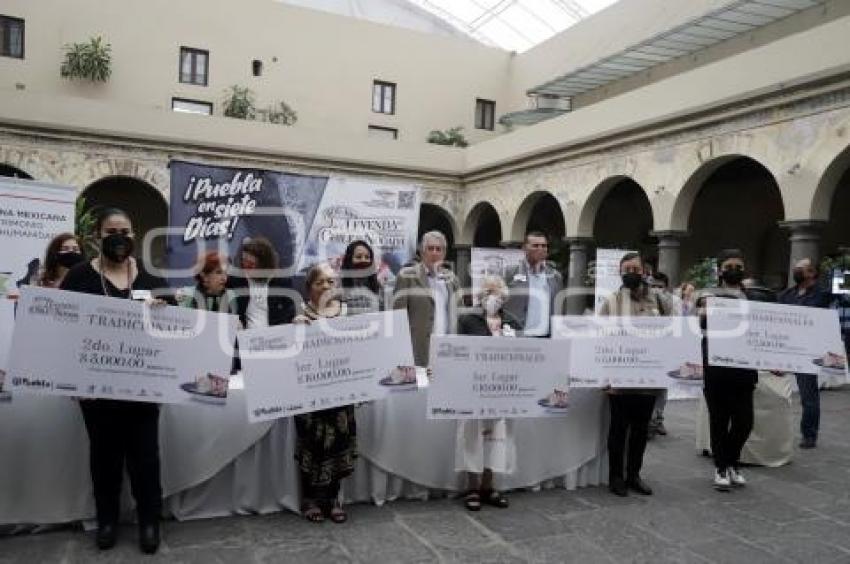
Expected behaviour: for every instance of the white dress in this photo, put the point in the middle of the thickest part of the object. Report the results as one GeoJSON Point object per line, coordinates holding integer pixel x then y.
{"type": "Point", "coordinates": [485, 443]}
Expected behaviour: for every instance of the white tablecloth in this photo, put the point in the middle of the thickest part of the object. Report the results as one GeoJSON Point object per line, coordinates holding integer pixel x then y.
{"type": "Point", "coordinates": [214, 463]}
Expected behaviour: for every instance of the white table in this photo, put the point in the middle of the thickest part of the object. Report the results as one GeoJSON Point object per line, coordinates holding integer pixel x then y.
{"type": "Point", "coordinates": [215, 463]}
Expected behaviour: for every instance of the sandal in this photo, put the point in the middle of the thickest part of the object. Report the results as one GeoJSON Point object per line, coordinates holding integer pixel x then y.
{"type": "Point", "coordinates": [313, 513]}
{"type": "Point", "coordinates": [472, 501]}
{"type": "Point", "coordinates": [494, 498]}
{"type": "Point", "coordinates": [337, 514]}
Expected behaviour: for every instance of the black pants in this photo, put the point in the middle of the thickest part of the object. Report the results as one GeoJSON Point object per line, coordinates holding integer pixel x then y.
{"type": "Point", "coordinates": [119, 432]}
{"type": "Point", "coordinates": [630, 415]}
{"type": "Point", "coordinates": [730, 415]}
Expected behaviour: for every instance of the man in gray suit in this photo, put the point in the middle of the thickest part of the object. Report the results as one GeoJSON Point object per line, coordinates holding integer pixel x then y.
{"type": "Point", "coordinates": [534, 287]}
{"type": "Point", "coordinates": [430, 293]}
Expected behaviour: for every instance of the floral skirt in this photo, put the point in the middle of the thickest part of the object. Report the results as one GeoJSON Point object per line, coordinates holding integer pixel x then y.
{"type": "Point", "coordinates": [326, 446]}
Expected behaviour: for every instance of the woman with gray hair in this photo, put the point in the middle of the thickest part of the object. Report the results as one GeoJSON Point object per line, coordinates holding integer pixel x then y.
{"type": "Point", "coordinates": [485, 446]}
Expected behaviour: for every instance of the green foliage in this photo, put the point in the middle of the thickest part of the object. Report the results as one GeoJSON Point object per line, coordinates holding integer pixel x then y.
{"type": "Point", "coordinates": [240, 103]}
{"type": "Point", "coordinates": [84, 220]}
{"type": "Point", "coordinates": [451, 137]}
{"type": "Point", "coordinates": [703, 274]}
{"type": "Point", "coordinates": [88, 61]}
{"type": "Point", "coordinates": [282, 114]}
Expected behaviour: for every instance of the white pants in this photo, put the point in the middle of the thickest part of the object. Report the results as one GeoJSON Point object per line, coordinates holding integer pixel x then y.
{"type": "Point", "coordinates": [485, 444]}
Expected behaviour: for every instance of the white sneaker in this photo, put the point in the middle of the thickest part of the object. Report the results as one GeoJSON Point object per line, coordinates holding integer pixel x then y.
{"type": "Point", "coordinates": [737, 478]}
{"type": "Point", "coordinates": [721, 480]}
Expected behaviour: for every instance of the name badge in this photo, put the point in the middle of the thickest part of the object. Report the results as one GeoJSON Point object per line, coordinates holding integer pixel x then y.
{"type": "Point", "coordinates": [141, 295]}
{"type": "Point", "coordinates": [520, 278]}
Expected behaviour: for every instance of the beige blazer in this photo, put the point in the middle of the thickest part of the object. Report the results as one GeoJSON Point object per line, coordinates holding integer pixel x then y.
{"type": "Point", "coordinates": [413, 293]}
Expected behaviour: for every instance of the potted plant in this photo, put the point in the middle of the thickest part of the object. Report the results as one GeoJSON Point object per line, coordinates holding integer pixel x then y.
{"type": "Point", "coordinates": [91, 60]}
{"type": "Point", "coordinates": [452, 137]}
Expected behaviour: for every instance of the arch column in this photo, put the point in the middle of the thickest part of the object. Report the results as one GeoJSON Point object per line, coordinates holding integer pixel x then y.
{"type": "Point", "coordinates": [463, 261]}
{"type": "Point", "coordinates": [804, 236]}
{"type": "Point", "coordinates": [579, 250]}
{"type": "Point", "coordinates": [669, 253]}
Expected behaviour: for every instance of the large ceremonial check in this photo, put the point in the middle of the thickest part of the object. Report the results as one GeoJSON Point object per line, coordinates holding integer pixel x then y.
{"type": "Point", "coordinates": [495, 377]}
{"type": "Point", "coordinates": [299, 368]}
{"type": "Point", "coordinates": [74, 344]}
{"type": "Point", "coordinates": [768, 336]}
{"type": "Point", "coordinates": [630, 352]}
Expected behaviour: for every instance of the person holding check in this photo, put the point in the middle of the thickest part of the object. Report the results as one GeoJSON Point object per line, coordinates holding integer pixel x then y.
{"type": "Point", "coordinates": [326, 447]}
{"type": "Point", "coordinates": [121, 431]}
{"type": "Point", "coordinates": [485, 446]}
{"type": "Point", "coordinates": [631, 409]}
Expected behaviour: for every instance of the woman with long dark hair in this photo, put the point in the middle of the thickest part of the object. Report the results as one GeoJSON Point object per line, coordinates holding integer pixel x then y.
{"type": "Point", "coordinates": [361, 289]}
{"type": "Point", "coordinates": [121, 432]}
{"type": "Point", "coordinates": [63, 253]}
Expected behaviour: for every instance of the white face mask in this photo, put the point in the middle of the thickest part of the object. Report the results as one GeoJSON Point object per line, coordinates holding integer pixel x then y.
{"type": "Point", "coordinates": [492, 304]}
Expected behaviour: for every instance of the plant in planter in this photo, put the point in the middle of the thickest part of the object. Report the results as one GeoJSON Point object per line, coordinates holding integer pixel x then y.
{"type": "Point", "coordinates": [452, 137]}
{"type": "Point", "coordinates": [84, 220]}
{"type": "Point", "coordinates": [282, 114]}
{"type": "Point", "coordinates": [91, 60]}
{"type": "Point", "coordinates": [239, 102]}
{"type": "Point", "coordinates": [703, 274]}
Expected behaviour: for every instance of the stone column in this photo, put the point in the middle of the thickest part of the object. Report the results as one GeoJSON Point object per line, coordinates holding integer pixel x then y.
{"type": "Point", "coordinates": [579, 248]}
{"type": "Point", "coordinates": [804, 236]}
{"type": "Point", "coordinates": [669, 253]}
{"type": "Point", "coordinates": [463, 260]}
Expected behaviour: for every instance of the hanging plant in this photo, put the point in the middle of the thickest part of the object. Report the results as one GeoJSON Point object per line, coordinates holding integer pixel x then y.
{"type": "Point", "coordinates": [88, 61]}
{"type": "Point", "coordinates": [452, 137]}
{"type": "Point", "coordinates": [239, 102]}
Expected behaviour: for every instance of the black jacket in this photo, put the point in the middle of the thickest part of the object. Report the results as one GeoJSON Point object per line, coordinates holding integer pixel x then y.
{"type": "Point", "coordinates": [281, 300]}
{"type": "Point", "coordinates": [475, 323]}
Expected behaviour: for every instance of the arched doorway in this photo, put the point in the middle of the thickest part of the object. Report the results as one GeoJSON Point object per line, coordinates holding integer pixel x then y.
{"type": "Point", "coordinates": [539, 211]}
{"type": "Point", "coordinates": [142, 202]}
{"type": "Point", "coordinates": [735, 202]}
{"type": "Point", "coordinates": [434, 218]}
{"type": "Point", "coordinates": [483, 227]}
{"type": "Point", "coordinates": [13, 172]}
{"type": "Point", "coordinates": [623, 218]}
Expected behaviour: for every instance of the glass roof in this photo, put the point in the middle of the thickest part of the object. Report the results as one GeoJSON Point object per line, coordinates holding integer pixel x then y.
{"type": "Point", "coordinates": [514, 25]}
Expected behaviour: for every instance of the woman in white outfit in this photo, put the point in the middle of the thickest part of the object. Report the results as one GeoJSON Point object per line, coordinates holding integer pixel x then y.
{"type": "Point", "coordinates": [486, 446]}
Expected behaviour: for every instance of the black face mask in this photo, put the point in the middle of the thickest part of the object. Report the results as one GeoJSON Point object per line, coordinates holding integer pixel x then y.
{"type": "Point", "coordinates": [798, 276]}
{"type": "Point", "coordinates": [733, 276]}
{"type": "Point", "coordinates": [68, 260]}
{"type": "Point", "coordinates": [632, 280]}
{"type": "Point", "coordinates": [117, 247]}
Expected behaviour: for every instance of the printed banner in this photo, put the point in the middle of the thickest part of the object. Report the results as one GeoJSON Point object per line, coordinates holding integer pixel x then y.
{"type": "Point", "coordinates": [300, 368]}
{"type": "Point", "coordinates": [31, 214]}
{"type": "Point", "coordinates": [119, 349]}
{"type": "Point", "coordinates": [491, 261]}
{"type": "Point", "coordinates": [307, 218]}
{"type": "Point", "coordinates": [607, 274]}
{"type": "Point", "coordinates": [496, 377]}
{"type": "Point", "coordinates": [769, 336]}
{"type": "Point", "coordinates": [631, 352]}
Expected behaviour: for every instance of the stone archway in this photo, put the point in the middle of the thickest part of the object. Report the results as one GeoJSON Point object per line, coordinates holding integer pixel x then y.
{"type": "Point", "coordinates": [539, 211]}
{"type": "Point", "coordinates": [735, 202]}
{"type": "Point", "coordinates": [483, 227]}
{"type": "Point", "coordinates": [13, 172]}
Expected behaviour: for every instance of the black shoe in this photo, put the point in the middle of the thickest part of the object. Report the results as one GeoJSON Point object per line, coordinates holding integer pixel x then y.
{"type": "Point", "coordinates": [661, 429]}
{"type": "Point", "coordinates": [618, 487]}
{"type": "Point", "coordinates": [638, 485]}
{"type": "Point", "coordinates": [149, 538]}
{"type": "Point", "coordinates": [107, 536]}
{"type": "Point", "coordinates": [808, 443]}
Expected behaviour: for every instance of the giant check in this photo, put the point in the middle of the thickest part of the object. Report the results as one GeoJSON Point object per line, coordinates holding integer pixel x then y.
{"type": "Point", "coordinates": [495, 377]}
{"type": "Point", "coordinates": [631, 352]}
{"type": "Point", "coordinates": [768, 336]}
{"type": "Point", "coordinates": [73, 344]}
{"type": "Point", "coordinates": [292, 369]}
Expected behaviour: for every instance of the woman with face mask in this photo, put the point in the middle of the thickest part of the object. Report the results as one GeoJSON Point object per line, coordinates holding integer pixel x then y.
{"type": "Point", "coordinates": [728, 391]}
{"type": "Point", "coordinates": [121, 431]}
{"type": "Point", "coordinates": [63, 253]}
{"type": "Point", "coordinates": [361, 289]}
{"type": "Point", "coordinates": [326, 446]}
{"type": "Point", "coordinates": [485, 446]}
